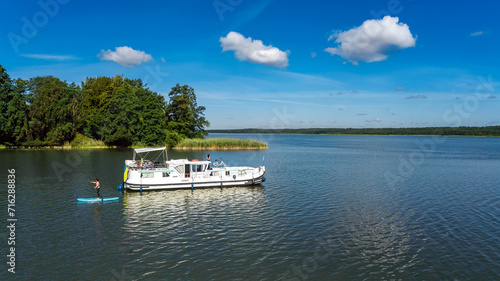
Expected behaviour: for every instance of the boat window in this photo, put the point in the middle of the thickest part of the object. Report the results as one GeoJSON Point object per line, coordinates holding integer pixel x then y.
{"type": "Point", "coordinates": [166, 174]}
{"type": "Point", "coordinates": [147, 175]}
{"type": "Point", "coordinates": [227, 173]}
{"type": "Point", "coordinates": [180, 169]}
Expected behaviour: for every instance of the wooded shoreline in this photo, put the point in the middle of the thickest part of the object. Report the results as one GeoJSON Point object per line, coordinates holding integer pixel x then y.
{"type": "Point", "coordinates": [490, 131]}
{"type": "Point", "coordinates": [185, 144]}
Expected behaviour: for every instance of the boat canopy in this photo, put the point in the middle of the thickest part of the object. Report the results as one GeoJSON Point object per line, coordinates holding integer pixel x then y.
{"type": "Point", "coordinates": [143, 153]}
{"type": "Point", "coordinates": [142, 150]}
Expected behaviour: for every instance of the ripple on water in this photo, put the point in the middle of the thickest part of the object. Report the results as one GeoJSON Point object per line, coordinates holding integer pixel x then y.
{"type": "Point", "coordinates": [326, 212]}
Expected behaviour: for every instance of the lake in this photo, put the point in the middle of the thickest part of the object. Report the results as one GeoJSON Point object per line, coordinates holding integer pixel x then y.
{"type": "Point", "coordinates": [332, 208]}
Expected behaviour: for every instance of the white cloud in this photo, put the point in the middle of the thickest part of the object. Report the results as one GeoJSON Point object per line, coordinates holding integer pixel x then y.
{"type": "Point", "coordinates": [417, 97]}
{"type": "Point", "coordinates": [125, 56]}
{"type": "Point", "coordinates": [371, 41]}
{"type": "Point", "coordinates": [50, 57]}
{"type": "Point", "coordinates": [477, 33]}
{"type": "Point", "coordinates": [254, 51]}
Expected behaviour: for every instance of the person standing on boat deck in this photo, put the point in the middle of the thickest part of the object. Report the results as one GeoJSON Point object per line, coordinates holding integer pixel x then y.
{"type": "Point", "coordinates": [97, 187]}
{"type": "Point", "coordinates": [208, 159]}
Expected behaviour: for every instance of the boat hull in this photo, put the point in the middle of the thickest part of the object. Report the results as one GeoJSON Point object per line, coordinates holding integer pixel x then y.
{"type": "Point", "coordinates": [193, 183]}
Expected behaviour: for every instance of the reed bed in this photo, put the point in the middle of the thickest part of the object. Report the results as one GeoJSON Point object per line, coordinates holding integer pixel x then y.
{"type": "Point", "coordinates": [82, 141]}
{"type": "Point", "coordinates": [220, 144]}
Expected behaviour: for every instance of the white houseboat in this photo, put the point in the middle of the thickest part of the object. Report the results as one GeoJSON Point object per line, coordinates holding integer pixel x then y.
{"type": "Point", "coordinates": [157, 172]}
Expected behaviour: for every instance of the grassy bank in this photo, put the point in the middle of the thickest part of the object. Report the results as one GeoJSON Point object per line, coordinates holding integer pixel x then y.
{"type": "Point", "coordinates": [220, 144]}
{"type": "Point", "coordinates": [82, 141]}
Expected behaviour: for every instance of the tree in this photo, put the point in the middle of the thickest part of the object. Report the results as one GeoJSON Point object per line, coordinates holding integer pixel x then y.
{"type": "Point", "coordinates": [118, 111]}
{"type": "Point", "coordinates": [152, 118]}
{"type": "Point", "coordinates": [13, 109]}
{"type": "Point", "coordinates": [51, 111]}
{"type": "Point", "coordinates": [184, 115]}
{"type": "Point", "coordinates": [122, 112]}
{"type": "Point", "coordinates": [6, 93]}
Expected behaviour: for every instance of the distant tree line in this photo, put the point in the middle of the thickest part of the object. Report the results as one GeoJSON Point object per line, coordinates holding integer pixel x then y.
{"type": "Point", "coordinates": [45, 111]}
{"type": "Point", "coordinates": [491, 131]}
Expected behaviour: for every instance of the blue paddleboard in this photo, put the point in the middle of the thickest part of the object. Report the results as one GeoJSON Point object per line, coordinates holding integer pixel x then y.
{"type": "Point", "coordinates": [90, 200]}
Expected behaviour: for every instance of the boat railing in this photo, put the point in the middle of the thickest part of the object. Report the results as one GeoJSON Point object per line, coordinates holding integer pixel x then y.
{"type": "Point", "coordinates": [148, 166]}
{"type": "Point", "coordinates": [220, 164]}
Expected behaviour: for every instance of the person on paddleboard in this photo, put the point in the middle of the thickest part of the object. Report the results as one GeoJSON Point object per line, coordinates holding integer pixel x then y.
{"type": "Point", "coordinates": [97, 187]}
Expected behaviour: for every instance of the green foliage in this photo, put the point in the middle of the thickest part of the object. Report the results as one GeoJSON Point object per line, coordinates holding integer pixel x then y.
{"type": "Point", "coordinates": [50, 111]}
{"type": "Point", "coordinates": [220, 143]}
{"type": "Point", "coordinates": [173, 138]}
{"type": "Point", "coordinates": [81, 141]}
{"type": "Point", "coordinates": [121, 112]}
{"type": "Point", "coordinates": [6, 95]}
{"type": "Point", "coordinates": [111, 111]}
{"type": "Point", "coordinates": [13, 109]}
{"type": "Point", "coordinates": [184, 114]}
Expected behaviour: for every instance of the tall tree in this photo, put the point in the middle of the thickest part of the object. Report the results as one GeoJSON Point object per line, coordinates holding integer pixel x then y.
{"type": "Point", "coordinates": [51, 111]}
{"type": "Point", "coordinates": [13, 109]}
{"type": "Point", "coordinates": [122, 112]}
{"type": "Point", "coordinates": [152, 118]}
{"type": "Point", "coordinates": [6, 93]}
{"type": "Point", "coordinates": [184, 115]}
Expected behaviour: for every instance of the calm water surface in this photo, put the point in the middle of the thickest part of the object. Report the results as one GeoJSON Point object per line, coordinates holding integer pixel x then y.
{"type": "Point", "coordinates": [332, 208]}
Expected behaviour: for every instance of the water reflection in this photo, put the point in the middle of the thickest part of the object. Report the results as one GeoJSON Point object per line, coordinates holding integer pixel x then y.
{"type": "Point", "coordinates": [377, 237]}
{"type": "Point", "coordinates": [175, 202]}
{"type": "Point", "coordinates": [202, 208]}
{"type": "Point", "coordinates": [186, 227]}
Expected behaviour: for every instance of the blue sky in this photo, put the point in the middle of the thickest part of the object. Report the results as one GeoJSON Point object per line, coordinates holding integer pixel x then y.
{"type": "Point", "coordinates": [276, 64]}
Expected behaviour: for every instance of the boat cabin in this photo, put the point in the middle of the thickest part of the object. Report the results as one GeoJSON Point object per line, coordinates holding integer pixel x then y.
{"type": "Point", "coordinates": [188, 169]}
